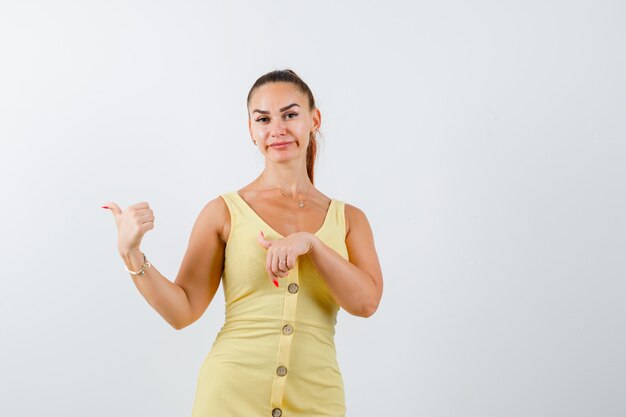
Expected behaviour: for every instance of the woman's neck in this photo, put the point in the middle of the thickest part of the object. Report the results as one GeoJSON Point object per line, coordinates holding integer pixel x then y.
{"type": "Point", "coordinates": [289, 181]}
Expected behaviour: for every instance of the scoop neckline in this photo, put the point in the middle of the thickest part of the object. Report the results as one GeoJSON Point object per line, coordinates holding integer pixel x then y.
{"type": "Point", "coordinates": [326, 217]}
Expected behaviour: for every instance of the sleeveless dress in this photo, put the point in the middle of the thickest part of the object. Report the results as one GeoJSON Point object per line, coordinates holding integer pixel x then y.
{"type": "Point", "coordinates": [275, 353]}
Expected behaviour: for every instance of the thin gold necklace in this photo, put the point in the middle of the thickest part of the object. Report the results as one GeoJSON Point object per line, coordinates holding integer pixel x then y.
{"type": "Point", "coordinates": [301, 203]}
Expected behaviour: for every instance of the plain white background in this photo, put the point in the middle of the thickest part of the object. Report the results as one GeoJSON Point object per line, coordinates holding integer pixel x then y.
{"type": "Point", "coordinates": [485, 141]}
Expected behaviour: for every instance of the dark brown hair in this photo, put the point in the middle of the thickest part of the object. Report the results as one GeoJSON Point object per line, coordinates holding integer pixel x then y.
{"type": "Point", "coordinates": [288, 76]}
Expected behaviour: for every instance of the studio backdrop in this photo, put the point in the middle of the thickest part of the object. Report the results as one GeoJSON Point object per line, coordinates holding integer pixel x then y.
{"type": "Point", "coordinates": [485, 141]}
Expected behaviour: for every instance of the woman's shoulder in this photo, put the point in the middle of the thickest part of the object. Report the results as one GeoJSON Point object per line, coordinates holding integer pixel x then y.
{"type": "Point", "coordinates": [353, 215]}
{"type": "Point", "coordinates": [216, 214]}
{"type": "Point", "coordinates": [218, 203]}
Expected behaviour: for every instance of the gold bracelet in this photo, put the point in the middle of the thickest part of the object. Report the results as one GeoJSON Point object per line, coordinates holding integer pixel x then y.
{"type": "Point", "coordinates": [141, 271]}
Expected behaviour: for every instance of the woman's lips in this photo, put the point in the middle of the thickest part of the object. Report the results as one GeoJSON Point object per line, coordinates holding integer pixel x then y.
{"type": "Point", "coordinates": [280, 145]}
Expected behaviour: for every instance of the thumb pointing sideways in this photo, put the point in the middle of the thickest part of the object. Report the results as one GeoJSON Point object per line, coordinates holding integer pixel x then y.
{"type": "Point", "coordinates": [115, 209]}
{"type": "Point", "coordinates": [263, 241]}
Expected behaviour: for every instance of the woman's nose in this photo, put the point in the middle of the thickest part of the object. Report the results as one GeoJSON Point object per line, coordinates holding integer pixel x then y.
{"type": "Point", "coordinates": [277, 128]}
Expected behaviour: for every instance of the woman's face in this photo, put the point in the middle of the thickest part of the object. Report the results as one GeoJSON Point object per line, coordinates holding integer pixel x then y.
{"type": "Point", "coordinates": [280, 121]}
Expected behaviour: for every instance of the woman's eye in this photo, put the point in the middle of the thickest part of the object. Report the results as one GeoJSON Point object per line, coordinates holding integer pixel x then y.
{"type": "Point", "coordinates": [263, 119]}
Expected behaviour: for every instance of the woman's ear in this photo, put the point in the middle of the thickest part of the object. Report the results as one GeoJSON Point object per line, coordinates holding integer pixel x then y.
{"type": "Point", "coordinates": [317, 119]}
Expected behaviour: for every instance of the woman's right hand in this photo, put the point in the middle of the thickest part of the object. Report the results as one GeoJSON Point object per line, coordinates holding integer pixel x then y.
{"type": "Point", "coordinates": [132, 224]}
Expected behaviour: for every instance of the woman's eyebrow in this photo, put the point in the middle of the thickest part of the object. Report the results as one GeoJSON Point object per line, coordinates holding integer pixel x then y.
{"type": "Point", "coordinates": [283, 109]}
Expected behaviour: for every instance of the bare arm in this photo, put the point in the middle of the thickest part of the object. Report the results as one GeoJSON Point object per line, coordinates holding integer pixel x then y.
{"type": "Point", "coordinates": [183, 301]}
{"type": "Point", "coordinates": [356, 284]}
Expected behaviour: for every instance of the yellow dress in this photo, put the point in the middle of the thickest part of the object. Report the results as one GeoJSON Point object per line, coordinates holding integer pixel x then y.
{"type": "Point", "coordinates": [275, 354]}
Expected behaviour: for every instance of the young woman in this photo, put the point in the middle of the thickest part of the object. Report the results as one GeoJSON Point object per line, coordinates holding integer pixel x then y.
{"type": "Point", "coordinates": [275, 354]}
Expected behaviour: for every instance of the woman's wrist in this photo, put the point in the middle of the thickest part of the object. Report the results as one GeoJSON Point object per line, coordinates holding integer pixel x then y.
{"type": "Point", "coordinates": [133, 259]}
{"type": "Point", "coordinates": [314, 242]}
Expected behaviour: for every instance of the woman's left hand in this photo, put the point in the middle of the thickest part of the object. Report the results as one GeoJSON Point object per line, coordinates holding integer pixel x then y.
{"type": "Point", "coordinates": [285, 249]}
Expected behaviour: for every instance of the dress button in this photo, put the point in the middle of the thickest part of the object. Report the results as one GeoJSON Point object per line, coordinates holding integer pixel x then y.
{"type": "Point", "coordinates": [287, 329]}
{"type": "Point", "coordinates": [277, 412]}
{"type": "Point", "coordinates": [293, 288]}
{"type": "Point", "coordinates": [281, 371]}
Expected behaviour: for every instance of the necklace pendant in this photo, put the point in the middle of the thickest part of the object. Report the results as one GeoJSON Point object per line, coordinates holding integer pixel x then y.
{"type": "Point", "coordinates": [301, 204]}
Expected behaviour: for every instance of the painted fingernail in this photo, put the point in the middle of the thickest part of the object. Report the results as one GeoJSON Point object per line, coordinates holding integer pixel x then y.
{"type": "Point", "coordinates": [262, 234]}
{"type": "Point", "coordinates": [105, 207]}
{"type": "Point", "coordinates": [275, 283]}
